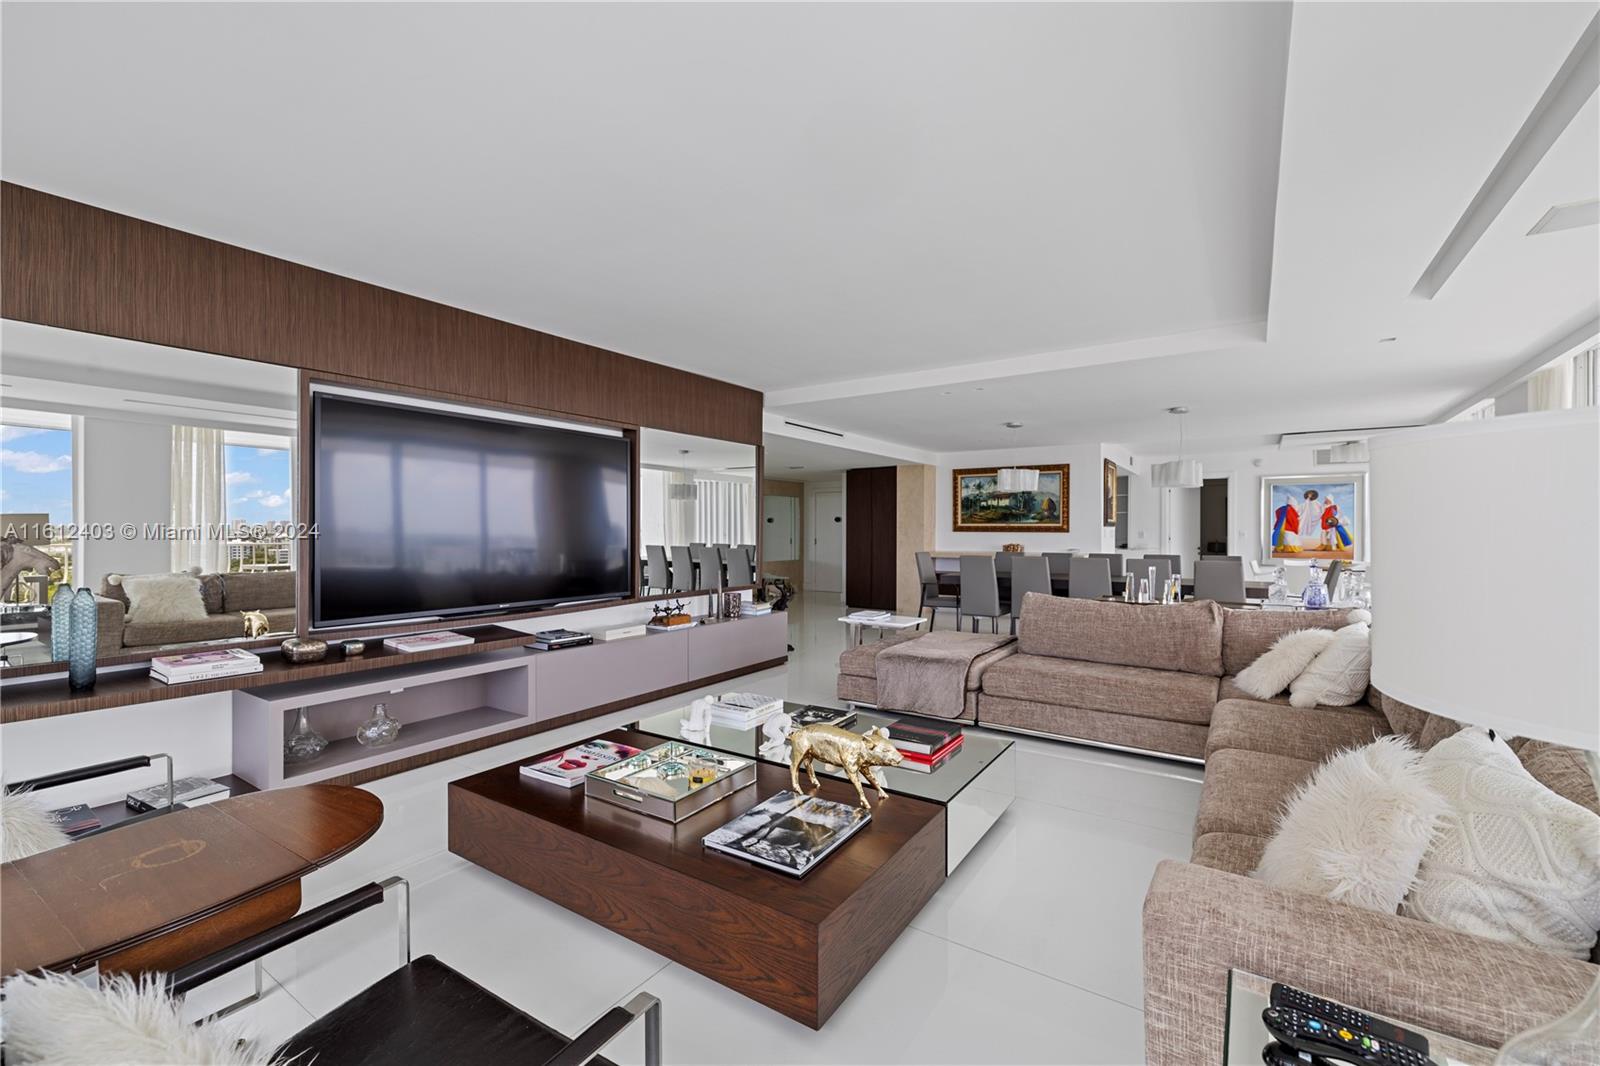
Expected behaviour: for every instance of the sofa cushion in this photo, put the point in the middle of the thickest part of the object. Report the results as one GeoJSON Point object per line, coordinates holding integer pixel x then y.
{"type": "Point", "coordinates": [861, 660]}
{"type": "Point", "coordinates": [1235, 853]}
{"type": "Point", "coordinates": [1424, 729]}
{"type": "Point", "coordinates": [1245, 791]}
{"type": "Point", "coordinates": [212, 627]}
{"type": "Point", "coordinates": [210, 590]}
{"type": "Point", "coordinates": [1183, 739]}
{"type": "Point", "coordinates": [1181, 637]}
{"type": "Point", "coordinates": [172, 598]}
{"type": "Point", "coordinates": [1165, 694]}
{"type": "Point", "coordinates": [1559, 769]}
{"type": "Point", "coordinates": [1311, 734]}
{"type": "Point", "coordinates": [1248, 633]}
{"type": "Point", "coordinates": [258, 592]}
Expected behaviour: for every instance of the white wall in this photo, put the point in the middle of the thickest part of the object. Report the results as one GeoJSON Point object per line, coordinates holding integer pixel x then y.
{"type": "Point", "coordinates": [126, 476]}
{"type": "Point", "coordinates": [1083, 514]}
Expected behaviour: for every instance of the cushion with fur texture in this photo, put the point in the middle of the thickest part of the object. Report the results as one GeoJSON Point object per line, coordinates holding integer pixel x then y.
{"type": "Point", "coordinates": [1338, 676]}
{"type": "Point", "coordinates": [164, 598]}
{"type": "Point", "coordinates": [26, 827]}
{"type": "Point", "coordinates": [59, 1020]}
{"type": "Point", "coordinates": [1513, 861]}
{"type": "Point", "coordinates": [1356, 831]}
{"type": "Point", "coordinates": [1280, 664]}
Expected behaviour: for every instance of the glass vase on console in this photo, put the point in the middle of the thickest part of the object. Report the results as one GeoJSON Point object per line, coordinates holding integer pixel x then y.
{"type": "Point", "coordinates": [378, 730]}
{"type": "Point", "coordinates": [83, 636]}
{"type": "Point", "coordinates": [303, 743]}
{"type": "Point", "coordinates": [60, 623]}
{"type": "Point", "coordinates": [1278, 591]}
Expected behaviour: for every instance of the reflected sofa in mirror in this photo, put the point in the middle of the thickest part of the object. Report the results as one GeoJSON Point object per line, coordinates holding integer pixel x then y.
{"type": "Point", "coordinates": [159, 478]}
{"type": "Point", "coordinates": [697, 513]}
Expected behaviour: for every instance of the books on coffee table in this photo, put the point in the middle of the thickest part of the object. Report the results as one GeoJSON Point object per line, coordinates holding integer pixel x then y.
{"type": "Point", "coordinates": [569, 768]}
{"type": "Point", "coordinates": [742, 710]}
{"type": "Point", "coordinates": [921, 736]}
{"type": "Point", "coordinates": [188, 791]}
{"type": "Point", "coordinates": [789, 832]}
{"type": "Point", "coordinates": [811, 714]}
{"type": "Point", "coordinates": [204, 665]}
{"type": "Point", "coordinates": [926, 764]}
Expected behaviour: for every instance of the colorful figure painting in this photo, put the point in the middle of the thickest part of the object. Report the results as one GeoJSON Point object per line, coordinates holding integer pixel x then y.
{"type": "Point", "coordinates": [978, 504]}
{"type": "Point", "coordinates": [1315, 517]}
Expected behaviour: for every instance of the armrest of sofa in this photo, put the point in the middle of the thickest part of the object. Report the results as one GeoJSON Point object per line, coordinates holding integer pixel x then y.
{"type": "Point", "coordinates": [110, 616]}
{"type": "Point", "coordinates": [1199, 923]}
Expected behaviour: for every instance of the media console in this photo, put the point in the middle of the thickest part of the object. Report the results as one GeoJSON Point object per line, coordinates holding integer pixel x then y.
{"type": "Point", "coordinates": [451, 706]}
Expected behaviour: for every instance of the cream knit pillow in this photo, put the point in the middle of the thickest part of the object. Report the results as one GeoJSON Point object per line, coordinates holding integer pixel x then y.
{"type": "Point", "coordinates": [1278, 666]}
{"type": "Point", "coordinates": [1513, 861]}
{"type": "Point", "coordinates": [1338, 676]}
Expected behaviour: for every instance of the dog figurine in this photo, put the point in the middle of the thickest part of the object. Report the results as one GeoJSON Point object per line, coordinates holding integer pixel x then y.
{"type": "Point", "coordinates": [854, 753]}
{"type": "Point", "coordinates": [255, 624]}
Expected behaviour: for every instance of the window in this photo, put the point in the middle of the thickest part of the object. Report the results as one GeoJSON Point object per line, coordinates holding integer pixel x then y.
{"type": "Point", "coordinates": [258, 473]}
{"type": "Point", "coordinates": [36, 490]}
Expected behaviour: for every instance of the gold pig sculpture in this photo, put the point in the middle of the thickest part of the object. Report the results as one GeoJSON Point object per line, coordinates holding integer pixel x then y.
{"type": "Point", "coordinates": [854, 753]}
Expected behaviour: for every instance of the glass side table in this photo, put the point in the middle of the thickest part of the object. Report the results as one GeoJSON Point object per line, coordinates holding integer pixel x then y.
{"type": "Point", "coordinates": [1249, 995]}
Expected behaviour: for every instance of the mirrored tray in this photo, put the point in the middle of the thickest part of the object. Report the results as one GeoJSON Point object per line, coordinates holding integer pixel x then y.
{"type": "Point", "coordinates": [670, 781]}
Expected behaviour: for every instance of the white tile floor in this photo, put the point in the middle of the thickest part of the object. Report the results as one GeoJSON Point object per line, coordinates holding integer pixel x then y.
{"type": "Point", "coordinates": [1030, 953]}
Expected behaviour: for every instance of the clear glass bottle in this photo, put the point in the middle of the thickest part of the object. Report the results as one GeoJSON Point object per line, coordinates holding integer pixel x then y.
{"type": "Point", "coordinates": [1278, 591]}
{"type": "Point", "coordinates": [60, 623]}
{"type": "Point", "coordinates": [303, 743]}
{"type": "Point", "coordinates": [378, 730]}
{"type": "Point", "coordinates": [84, 634]}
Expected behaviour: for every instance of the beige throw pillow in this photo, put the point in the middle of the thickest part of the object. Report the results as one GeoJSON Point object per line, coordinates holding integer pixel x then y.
{"type": "Point", "coordinates": [1513, 861]}
{"type": "Point", "coordinates": [156, 598]}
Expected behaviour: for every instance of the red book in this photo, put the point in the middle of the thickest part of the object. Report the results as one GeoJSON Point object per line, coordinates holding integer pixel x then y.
{"type": "Point", "coordinates": [934, 757]}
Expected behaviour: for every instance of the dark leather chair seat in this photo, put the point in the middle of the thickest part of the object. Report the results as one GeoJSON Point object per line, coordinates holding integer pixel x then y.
{"type": "Point", "coordinates": [418, 1009]}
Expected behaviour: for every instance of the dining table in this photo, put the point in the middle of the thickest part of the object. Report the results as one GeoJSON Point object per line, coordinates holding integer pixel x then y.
{"type": "Point", "coordinates": [160, 892]}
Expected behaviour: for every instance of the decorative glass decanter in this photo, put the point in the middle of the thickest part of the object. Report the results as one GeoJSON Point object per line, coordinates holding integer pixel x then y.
{"type": "Point", "coordinates": [1315, 595]}
{"type": "Point", "coordinates": [303, 743]}
{"type": "Point", "coordinates": [1278, 591]}
{"type": "Point", "coordinates": [378, 730]}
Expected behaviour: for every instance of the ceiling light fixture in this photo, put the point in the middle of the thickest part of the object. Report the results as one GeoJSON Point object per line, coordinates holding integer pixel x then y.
{"type": "Point", "coordinates": [1387, 340]}
{"type": "Point", "coordinates": [1016, 478]}
{"type": "Point", "coordinates": [1179, 473]}
{"type": "Point", "coordinates": [685, 489]}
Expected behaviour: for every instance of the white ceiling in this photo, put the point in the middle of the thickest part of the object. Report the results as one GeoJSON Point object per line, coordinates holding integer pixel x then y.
{"type": "Point", "coordinates": [1089, 212]}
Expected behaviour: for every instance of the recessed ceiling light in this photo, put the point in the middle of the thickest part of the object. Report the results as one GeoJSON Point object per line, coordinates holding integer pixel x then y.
{"type": "Point", "coordinates": [1568, 216]}
{"type": "Point", "coordinates": [945, 392]}
{"type": "Point", "coordinates": [978, 389]}
{"type": "Point", "coordinates": [1387, 340]}
{"type": "Point", "coordinates": [796, 468]}
{"type": "Point", "coordinates": [1013, 425]}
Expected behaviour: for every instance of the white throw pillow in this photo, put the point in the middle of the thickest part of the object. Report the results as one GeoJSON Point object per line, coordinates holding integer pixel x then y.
{"type": "Point", "coordinates": [59, 1020]}
{"type": "Point", "coordinates": [1513, 861]}
{"type": "Point", "coordinates": [1339, 675]}
{"type": "Point", "coordinates": [164, 598]}
{"type": "Point", "coordinates": [1357, 830]}
{"type": "Point", "coordinates": [1280, 664]}
{"type": "Point", "coordinates": [26, 827]}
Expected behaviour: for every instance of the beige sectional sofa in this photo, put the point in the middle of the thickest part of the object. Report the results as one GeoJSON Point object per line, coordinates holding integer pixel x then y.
{"type": "Point", "coordinates": [1161, 679]}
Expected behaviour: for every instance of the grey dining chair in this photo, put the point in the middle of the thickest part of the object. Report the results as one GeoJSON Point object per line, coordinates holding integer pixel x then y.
{"type": "Point", "coordinates": [1112, 558]}
{"type": "Point", "coordinates": [980, 592]}
{"type": "Point", "coordinates": [1002, 563]}
{"type": "Point", "coordinates": [1030, 573]}
{"type": "Point", "coordinates": [738, 567]}
{"type": "Point", "coordinates": [1335, 568]}
{"type": "Point", "coordinates": [1156, 570]}
{"type": "Point", "coordinates": [1174, 563]}
{"type": "Point", "coordinates": [708, 566]}
{"type": "Point", "coordinates": [932, 598]}
{"type": "Point", "coordinates": [1213, 555]}
{"type": "Point", "coordinates": [1219, 579]}
{"type": "Point", "coordinates": [1091, 577]}
{"type": "Point", "coordinates": [682, 569]}
{"type": "Point", "coordinates": [1060, 564]}
{"type": "Point", "coordinates": [658, 574]}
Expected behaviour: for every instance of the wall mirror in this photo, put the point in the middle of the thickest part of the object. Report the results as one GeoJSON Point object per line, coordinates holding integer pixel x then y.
{"type": "Point", "coordinates": [697, 513]}
{"type": "Point", "coordinates": [124, 460]}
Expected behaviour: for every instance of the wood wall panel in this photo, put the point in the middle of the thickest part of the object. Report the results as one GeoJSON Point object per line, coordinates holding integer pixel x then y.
{"type": "Point", "coordinates": [871, 494]}
{"type": "Point", "coordinates": [73, 266]}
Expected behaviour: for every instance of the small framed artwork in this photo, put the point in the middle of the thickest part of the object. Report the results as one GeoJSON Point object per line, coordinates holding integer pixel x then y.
{"type": "Point", "coordinates": [978, 505]}
{"type": "Point", "coordinates": [1108, 490]}
{"type": "Point", "coordinates": [1315, 516]}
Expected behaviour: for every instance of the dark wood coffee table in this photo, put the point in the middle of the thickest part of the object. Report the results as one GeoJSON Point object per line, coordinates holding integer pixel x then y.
{"type": "Point", "coordinates": [797, 945]}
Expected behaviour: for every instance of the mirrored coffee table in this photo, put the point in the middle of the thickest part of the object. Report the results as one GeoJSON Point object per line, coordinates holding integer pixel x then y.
{"type": "Point", "coordinates": [975, 786]}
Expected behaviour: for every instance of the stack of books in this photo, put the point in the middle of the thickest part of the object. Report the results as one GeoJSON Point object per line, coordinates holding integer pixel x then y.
{"type": "Point", "coordinates": [204, 665]}
{"type": "Point", "coordinates": [754, 608]}
{"type": "Point", "coordinates": [743, 710]}
{"type": "Point", "coordinates": [869, 616]}
{"type": "Point", "coordinates": [412, 642]}
{"type": "Point", "coordinates": [924, 745]}
{"type": "Point", "coordinates": [840, 717]}
{"type": "Point", "coordinates": [549, 639]}
{"type": "Point", "coordinates": [569, 768]}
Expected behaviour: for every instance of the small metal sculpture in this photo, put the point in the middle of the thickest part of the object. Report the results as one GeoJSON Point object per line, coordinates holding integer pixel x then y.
{"type": "Point", "coordinates": [854, 753]}
{"type": "Point", "coordinates": [255, 624]}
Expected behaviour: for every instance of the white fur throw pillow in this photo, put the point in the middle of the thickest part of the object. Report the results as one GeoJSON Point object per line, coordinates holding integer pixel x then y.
{"type": "Point", "coordinates": [59, 1020]}
{"type": "Point", "coordinates": [1357, 830]}
{"type": "Point", "coordinates": [164, 598]}
{"type": "Point", "coordinates": [1280, 664]}
{"type": "Point", "coordinates": [1513, 861]}
{"type": "Point", "coordinates": [26, 827]}
{"type": "Point", "coordinates": [1338, 676]}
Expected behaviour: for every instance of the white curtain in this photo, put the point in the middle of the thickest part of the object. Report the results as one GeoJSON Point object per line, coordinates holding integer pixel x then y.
{"type": "Point", "coordinates": [1551, 388]}
{"type": "Point", "coordinates": [726, 511]}
{"type": "Point", "coordinates": [680, 524]}
{"type": "Point", "coordinates": [199, 500]}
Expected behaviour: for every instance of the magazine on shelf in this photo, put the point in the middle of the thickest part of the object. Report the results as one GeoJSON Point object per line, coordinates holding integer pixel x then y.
{"type": "Point", "coordinates": [78, 818]}
{"type": "Point", "coordinates": [843, 717]}
{"type": "Point", "coordinates": [197, 665]}
{"type": "Point", "coordinates": [919, 736]}
{"type": "Point", "coordinates": [569, 768]}
{"type": "Point", "coordinates": [189, 792]}
{"type": "Point", "coordinates": [789, 832]}
{"type": "Point", "coordinates": [410, 642]}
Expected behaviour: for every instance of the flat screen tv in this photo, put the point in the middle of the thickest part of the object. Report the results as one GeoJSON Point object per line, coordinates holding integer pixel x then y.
{"type": "Point", "coordinates": [440, 513]}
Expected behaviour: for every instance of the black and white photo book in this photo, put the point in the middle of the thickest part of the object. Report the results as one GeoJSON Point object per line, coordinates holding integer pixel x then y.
{"type": "Point", "coordinates": [789, 832]}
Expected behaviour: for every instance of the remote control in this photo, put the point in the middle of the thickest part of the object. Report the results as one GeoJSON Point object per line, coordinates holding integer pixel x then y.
{"type": "Point", "coordinates": [1284, 997]}
{"type": "Point", "coordinates": [1312, 1035]}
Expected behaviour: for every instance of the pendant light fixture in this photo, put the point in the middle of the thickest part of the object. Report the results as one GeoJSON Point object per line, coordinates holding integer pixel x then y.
{"type": "Point", "coordinates": [1179, 473]}
{"type": "Point", "coordinates": [1016, 478]}
{"type": "Point", "coordinates": [685, 489]}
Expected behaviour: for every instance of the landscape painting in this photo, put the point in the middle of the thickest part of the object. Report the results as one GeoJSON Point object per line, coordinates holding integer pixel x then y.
{"type": "Point", "coordinates": [979, 506]}
{"type": "Point", "coordinates": [1108, 489]}
{"type": "Point", "coordinates": [1315, 517]}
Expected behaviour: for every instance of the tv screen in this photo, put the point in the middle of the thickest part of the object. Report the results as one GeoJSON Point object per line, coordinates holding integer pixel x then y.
{"type": "Point", "coordinates": [423, 513]}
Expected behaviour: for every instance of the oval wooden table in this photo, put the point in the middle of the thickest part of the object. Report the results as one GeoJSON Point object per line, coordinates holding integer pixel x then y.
{"type": "Point", "coordinates": [166, 891]}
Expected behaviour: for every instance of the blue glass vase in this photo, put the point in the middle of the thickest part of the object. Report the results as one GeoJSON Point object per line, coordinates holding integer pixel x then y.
{"type": "Point", "coordinates": [60, 622]}
{"type": "Point", "coordinates": [83, 624]}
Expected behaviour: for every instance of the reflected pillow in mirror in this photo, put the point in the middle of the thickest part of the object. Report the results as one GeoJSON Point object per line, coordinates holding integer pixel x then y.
{"type": "Point", "coordinates": [156, 598]}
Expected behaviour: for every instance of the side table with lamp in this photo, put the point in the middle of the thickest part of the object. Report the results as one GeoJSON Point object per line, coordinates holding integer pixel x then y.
{"type": "Point", "coordinates": [1466, 632]}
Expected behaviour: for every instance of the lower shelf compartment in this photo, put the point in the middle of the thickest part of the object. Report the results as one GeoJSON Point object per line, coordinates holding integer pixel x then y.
{"type": "Point", "coordinates": [346, 754]}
